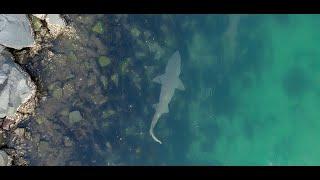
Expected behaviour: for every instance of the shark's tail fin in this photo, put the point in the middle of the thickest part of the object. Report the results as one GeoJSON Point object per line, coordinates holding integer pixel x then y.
{"type": "Point", "coordinates": [154, 137]}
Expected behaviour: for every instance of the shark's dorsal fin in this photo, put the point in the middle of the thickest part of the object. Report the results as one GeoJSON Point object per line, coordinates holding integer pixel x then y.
{"type": "Point", "coordinates": [180, 85]}
{"type": "Point", "coordinates": [159, 79]}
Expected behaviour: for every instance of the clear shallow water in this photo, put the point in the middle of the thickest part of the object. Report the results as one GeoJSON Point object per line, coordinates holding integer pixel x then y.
{"type": "Point", "coordinates": [252, 92]}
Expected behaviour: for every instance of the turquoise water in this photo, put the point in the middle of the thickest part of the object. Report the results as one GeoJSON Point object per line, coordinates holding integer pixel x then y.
{"type": "Point", "coordinates": [265, 90]}
{"type": "Point", "coordinates": [252, 92]}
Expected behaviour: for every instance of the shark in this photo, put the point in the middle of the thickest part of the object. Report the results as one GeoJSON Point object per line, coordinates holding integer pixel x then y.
{"type": "Point", "coordinates": [169, 81]}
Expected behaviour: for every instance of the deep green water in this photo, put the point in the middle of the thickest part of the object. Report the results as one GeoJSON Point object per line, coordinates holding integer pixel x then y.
{"type": "Point", "coordinates": [252, 93]}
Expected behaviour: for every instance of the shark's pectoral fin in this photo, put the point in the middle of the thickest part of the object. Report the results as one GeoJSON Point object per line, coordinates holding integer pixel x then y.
{"type": "Point", "coordinates": [159, 79]}
{"type": "Point", "coordinates": [166, 109]}
{"type": "Point", "coordinates": [180, 85]}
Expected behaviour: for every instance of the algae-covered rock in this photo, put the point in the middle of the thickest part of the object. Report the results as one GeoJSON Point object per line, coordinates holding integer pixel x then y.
{"type": "Point", "coordinates": [99, 99]}
{"type": "Point", "coordinates": [54, 85]}
{"type": "Point", "coordinates": [104, 61]}
{"type": "Point", "coordinates": [108, 113]}
{"type": "Point", "coordinates": [105, 124]}
{"type": "Point", "coordinates": [98, 28]}
{"type": "Point", "coordinates": [155, 48]}
{"type": "Point", "coordinates": [40, 16]}
{"type": "Point", "coordinates": [138, 150]}
{"type": "Point", "coordinates": [104, 81]}
{"type": "Point", "coordinates": [124, 66]}
{"type": "Point", "coordinates": [75, 117]}
{"type": "Point", "coordinates": [115, 79]}
{"type": "Point", "coordinates": [40, 119]}
{"type": "Point", "coordinates": [68, 89]}
{"type": "Point", "coordinates": [57, 93]}
{"type": "Point", "coordinates": [135, 32]}
{"type": "Point", "coordinates": [36, 24]}
{"type": "Point", "coordinates": [136, 80]}
{"type": "Point", "coordinates": [72, 57]}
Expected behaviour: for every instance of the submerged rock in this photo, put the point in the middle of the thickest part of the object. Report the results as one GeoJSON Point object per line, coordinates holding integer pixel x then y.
{"type": "Point", "coordinates": [107, 113]}
{"type": "Point", "coordinates": [98, 28]}
{"type": "Point", "coordinates": [75, 117]}
{"type": "Point", "coordinates": [104, 61]}
{"type": "Point", "coordinates": [135, 32]}
{"type": "Point", "coordinates": [16, 86]}
{"type": "Point", "coordinates": [36, 24]}
{"type": "Point", "coordinates": [115, 79]}
{"type": "Point", "coordinates": [15, 31]}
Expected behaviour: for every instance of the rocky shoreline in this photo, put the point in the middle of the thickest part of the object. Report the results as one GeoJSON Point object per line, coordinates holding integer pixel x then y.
{"type": "Point", "coordinates": [93, 91]}
{"type": "Point", "coordinates": [21, 37]}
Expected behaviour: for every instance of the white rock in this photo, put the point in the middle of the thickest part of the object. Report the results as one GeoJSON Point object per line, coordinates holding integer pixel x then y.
{"type": "Point", "coordinates": [40, 16]}
{"type": "Point", "coordinates": [55, 19]}
{"type": "Point", "coordinates": [5, 160]}
{"type": "Point", "coordinates": [15, 31]}
{"type": "Point", "coordinates": [55, 24]}
{"type": "Point", "coordinates": [16, 86]}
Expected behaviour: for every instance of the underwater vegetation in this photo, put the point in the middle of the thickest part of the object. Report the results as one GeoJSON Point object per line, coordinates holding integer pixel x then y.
{"type": "Point", "coordinates": [95, 106]}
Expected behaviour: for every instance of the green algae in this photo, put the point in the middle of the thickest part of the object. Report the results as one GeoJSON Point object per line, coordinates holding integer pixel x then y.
{"type": "Point", "coordinates": [98, 28]}
{"type": "Point", "coordinates": [104, 61]}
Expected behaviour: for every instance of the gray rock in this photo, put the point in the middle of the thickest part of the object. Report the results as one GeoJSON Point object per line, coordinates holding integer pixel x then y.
{"type": "Point", "coordinates": [40, 16]}
{"type": "Point", "coordinates": [55, 24]}
{"type": "Point", "coordinates": [75, 117]}
{"type": "Point", "coordinates": [1, 48]}
{"type": "Point", "coordinates": [55, 19]}
{"type": "Point", "coordinates": [4, 159]}
{"type": "Point", "coordinates": [16, 86]}
{"type": "Point", "coordinates": [15, 31]}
